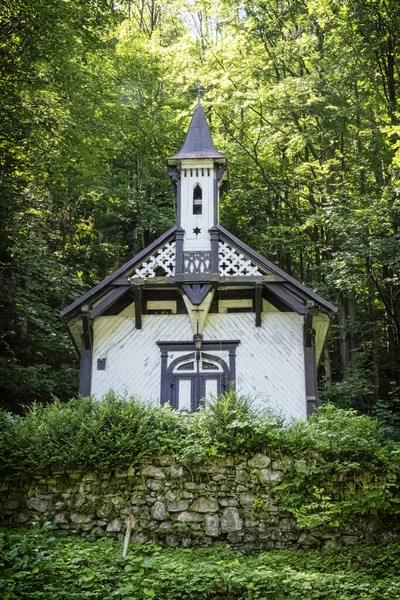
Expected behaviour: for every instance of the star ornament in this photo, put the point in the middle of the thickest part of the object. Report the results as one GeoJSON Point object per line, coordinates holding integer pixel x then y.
{"type": "Point", "coordinates": [196, 231]}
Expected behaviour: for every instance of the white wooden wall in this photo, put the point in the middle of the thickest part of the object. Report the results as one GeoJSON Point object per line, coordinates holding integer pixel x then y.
{"type": "Point", "coordinates": [269, 360]}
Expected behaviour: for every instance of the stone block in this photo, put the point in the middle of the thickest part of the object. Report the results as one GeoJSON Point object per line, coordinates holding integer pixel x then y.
{"type": "Point", "coordinates": [246, 499]}
{"type": "Point", "coordinates": [288, 525]}
{"type": "Point", "coordinates": [170, 496]}
{"type": "Point", "coordinates": [212, 525]}
{"type": "Point", "coordinates": [158, 511]}
{"type": "Point", "coordinates": [219, 477]}
{"type": "Point", "coordinates": [242, 476]}
{"type": "Point", "coordinates": [171, 541]}
{"type": "Point", "coordinates": [230, 520]}
{"type": "Point", "coordinates": [240, 463]}
{"type": "Point", "coordinates": [136, 500]}
{"type": "Point", "coordinates": [115, 526]}
{"type": "Point", "coordinates": [330, 544]}
{"type": "Point", "coordinates": [190, 485]}
{"type": "Point", "coordinates": [22, 518]}
{"type": "Point", "coordinates": [60, 519]}
{"type": "Point", "coordinates": [89, 477]}
{"type": "Point", "coordinates": [79, 500]}
{"type": "Point", "coordinates": [188, 495]}
{"type": "Point", "coordinates": [308, 541]}
{"type": "Point", "coordinates": [250, 523]}
{"type": "Point", "coordinates": [269, 476]}
{"type": "Point", "coordinates": [236, 537]}
{"type": "Point", "coordinates": [38, 504]}
{"type": "Point", "coordinates": [178, 505]}
{"type": "Point", "coordinates": [186, 542]}
{"type": "Point", "coordinates": [205, 505]}
{"type": "Point", "coordinates": [154, 484]}
{"type": "Point", "coordinates": [259, 461]}
{"type": "Point", "coordinates": [272, 508]}
{"type": "Point", "coordinates": [225, 488]}
{"type": "Point", "coordinates": [228, 502]}
{"type": "Point", "coordinates": [165, 460]}
{"type": "Point", "coordinates": [151, 471]}
{"type": "Point", "coordinates": [189, 517]}
{"type": "Point", "coordinates": [78, 519]}
{"type": "Point", "coordinates": [176, 472]}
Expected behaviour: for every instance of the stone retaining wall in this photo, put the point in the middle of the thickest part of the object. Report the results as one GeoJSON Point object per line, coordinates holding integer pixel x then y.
{"type": "Point", "coordinates": [229, 500]}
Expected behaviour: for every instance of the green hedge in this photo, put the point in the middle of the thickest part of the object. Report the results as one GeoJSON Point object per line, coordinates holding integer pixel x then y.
{"type": "Point", "coordinates": [339, 465]}
{"type": "Point", "coordinates": [34, 565]}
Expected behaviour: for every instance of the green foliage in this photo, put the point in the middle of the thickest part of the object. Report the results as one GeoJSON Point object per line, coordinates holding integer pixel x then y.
{"type": "Point", "coordinates": [346, 470]}
{"type": "Point", "coordinates": [34, 565]}
{"type": "Point", "coordinates": [338, 465]}
{"type": "Point", "coordinates": [229, 424]}
{"type": "Point", "coordinates": [87, 434]}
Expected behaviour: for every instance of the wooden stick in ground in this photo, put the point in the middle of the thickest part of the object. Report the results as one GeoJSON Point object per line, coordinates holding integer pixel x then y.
{"type": "Point", "coordinates": [129, 526]}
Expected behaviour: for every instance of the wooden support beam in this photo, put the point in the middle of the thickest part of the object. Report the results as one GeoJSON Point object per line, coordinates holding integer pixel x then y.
{"type": "Point", "coordinates": [234, 280]}
{"type": "Point", "coordinates": [310, 365]}
{"type": "Point", "coordinates": [258, 303]}
{"type": "Point", "coordinates": [87, 335]}
{"type": "Point", "coordinates": [105, 304]}
{"type": "Point", "coordinates": [196, 292]}
{"type": "Point", "coordinates": [85, 374]}
{"type": "Point", "coordinates": [138, 295]}
{"type": "Point", "coordinates": [279, 291]}
{"type": "Point", "coordinates": [214, 250]}
{"type": "Point", "coordinates": [179, 251]}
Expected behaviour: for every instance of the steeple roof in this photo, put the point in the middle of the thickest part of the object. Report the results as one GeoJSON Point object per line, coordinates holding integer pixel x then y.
{"type": "Point", "coordinates": [198, 142]}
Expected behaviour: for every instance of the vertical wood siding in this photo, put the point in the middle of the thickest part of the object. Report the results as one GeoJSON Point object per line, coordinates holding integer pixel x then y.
{"type": "Point", "coordinates": [269, 363]}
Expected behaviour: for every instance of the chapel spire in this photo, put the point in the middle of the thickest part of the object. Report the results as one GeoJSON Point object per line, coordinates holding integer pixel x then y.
{"type": "Point", "coordinates": [198, 143]}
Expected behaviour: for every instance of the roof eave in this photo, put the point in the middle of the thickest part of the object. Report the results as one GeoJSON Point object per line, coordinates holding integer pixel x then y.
{"type": "Point", "coordinates": [322, 303]}
{"type": "Point", "coordinates": [75, 306]}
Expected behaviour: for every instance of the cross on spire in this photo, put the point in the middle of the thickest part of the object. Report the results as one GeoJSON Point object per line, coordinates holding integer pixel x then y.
{"type": "Point", "coordinates": [199, 90]}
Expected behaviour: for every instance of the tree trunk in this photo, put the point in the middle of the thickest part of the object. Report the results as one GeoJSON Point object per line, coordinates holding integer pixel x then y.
{"type": "Point", "coordinates": [343, 340]}
{"type": "Point", "coordinates": [328, 369]}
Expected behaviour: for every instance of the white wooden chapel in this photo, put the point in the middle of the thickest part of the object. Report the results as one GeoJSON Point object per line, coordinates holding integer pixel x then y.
{"type": "Point", "coordinates": [198, 311]}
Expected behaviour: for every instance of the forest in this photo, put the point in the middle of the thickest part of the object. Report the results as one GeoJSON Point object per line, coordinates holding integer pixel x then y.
{"type": "Point", "coordinates": [302, 97]}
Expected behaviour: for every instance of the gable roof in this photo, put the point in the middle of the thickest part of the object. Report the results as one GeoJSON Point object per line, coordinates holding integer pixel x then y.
{"type": "Point", "coordinates": [293, 288]}
{"type": "Point", "coordinates": [198, 142]}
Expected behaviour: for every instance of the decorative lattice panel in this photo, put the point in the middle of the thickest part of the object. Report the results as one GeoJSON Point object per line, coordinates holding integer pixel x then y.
{"type": "Point", "coordinates": [196, 262]}
{"type": "Point", "coordinates": [233, 263]}
{"type": "Point", "coordinates": [162, 259]}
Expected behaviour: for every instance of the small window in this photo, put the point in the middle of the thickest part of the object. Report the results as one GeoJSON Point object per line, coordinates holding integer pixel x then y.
{"type": "Point", "coordinates": [240, 305]}
{"type": "Point", "coordinates": [160, 307]}
{"type": "Point", "coordinates": [197, 200]}
{"type": "Point", "coordinates": [208, 366]}
{"type": "Point", "coordinates": [186, 367]}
